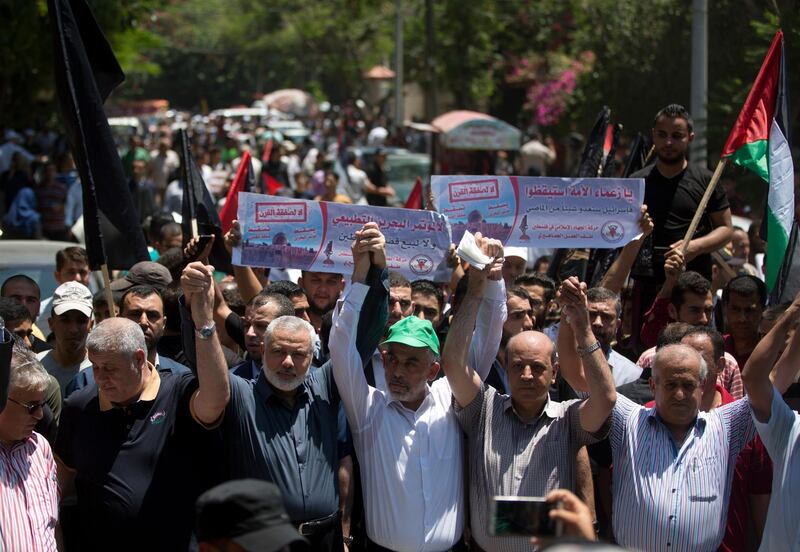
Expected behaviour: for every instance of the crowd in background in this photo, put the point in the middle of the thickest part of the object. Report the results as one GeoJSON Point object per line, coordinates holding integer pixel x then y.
{"type": "Point", "coordinates": [654, 405]}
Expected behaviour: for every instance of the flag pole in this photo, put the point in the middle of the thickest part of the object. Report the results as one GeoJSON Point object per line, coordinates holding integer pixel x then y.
{"type": "Point", "coordinates": [107, 289]}
{"type": "Point", "coordinates": [703, 203]}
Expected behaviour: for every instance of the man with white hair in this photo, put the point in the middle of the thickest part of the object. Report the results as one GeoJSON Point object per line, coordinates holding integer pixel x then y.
{"type": "Point", "coordinates": [283, 426]}
{"type": "Point", "coordinates": [673, 464]}
{"type": "Point", "coordinates": [133, 446]}
{"type": "Point", "coordinates": [27, 468]}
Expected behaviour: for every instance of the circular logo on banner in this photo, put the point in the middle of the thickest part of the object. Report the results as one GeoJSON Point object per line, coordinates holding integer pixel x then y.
{"type": "Point", "coordinates": [421, 265]}
{"type": "Point", "coordinates": [612, 231]}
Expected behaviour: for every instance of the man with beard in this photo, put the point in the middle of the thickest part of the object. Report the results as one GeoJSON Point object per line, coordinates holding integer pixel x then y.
{"type": "Point", "coordinates": [283, 426]}
{"type": "Point", "coordinates": [673, 190]}
{"type": "Point", "coordinates": [407, 437]}
{"type": "Point", "coordinates": [70, 320]}
{"type": "Point", "coordinates": [605, 313]}
{"type": "Point", "coordinates": [258, 315]}
{"type": "Point", "coordinates": [322, 290]}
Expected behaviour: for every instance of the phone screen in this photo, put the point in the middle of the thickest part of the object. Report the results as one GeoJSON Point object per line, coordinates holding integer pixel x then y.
{"type": "Point", "coordinates": [523, 515]}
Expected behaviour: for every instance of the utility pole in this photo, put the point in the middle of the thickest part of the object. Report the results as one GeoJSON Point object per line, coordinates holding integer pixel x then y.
{"type": "Point", "coordinates": [699, 94]}
{"type": "Point", "coordinates": [398, 65]}
{"type": "Point", "coordinates": [432, 102]}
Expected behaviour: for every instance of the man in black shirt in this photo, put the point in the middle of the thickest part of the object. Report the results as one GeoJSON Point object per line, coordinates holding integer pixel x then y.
{"type": "Point", "coordinates": [673, 190]}
{"type": "Point", "coordinates": [135, 446]}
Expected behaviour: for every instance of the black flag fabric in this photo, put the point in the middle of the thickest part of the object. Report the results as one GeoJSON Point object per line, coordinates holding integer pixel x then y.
{"type": "Point", "coordinates": [593, 152]}
{"type": "Point", "coordinates": [199, 206]}
{"type": "Point", "coordinates": [86, 72]}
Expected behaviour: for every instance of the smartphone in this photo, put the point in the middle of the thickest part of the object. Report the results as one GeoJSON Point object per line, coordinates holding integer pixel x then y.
{"type": "Point", "coordinates": [524, 516]}
{"type": "Point", "coordinates": [202, 243]}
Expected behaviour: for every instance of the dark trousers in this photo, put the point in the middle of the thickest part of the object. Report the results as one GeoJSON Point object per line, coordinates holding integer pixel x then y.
{"type": "Point", "coordinates": [326, 537]}
{"type": "Point", "coordinates": [375, 547]}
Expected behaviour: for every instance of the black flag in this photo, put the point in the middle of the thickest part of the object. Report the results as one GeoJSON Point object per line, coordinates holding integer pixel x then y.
{"type": "Point", "coordinates": [86, 72]}
{"type": "Point", "coordinates": [593, 152]}
{"type": "Point", "coordinates": [198, 205]}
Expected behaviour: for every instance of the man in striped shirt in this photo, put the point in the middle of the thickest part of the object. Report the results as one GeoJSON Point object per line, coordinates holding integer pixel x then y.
{"type": "Point", "coordinates": [29, 491]}
{"type": "Point", "coordinates": [524, 444]}
{"type": "Point", "coordinates": [673, 465]}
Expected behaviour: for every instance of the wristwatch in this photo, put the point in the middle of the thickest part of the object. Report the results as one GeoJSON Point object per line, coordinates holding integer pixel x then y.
{"type": "Point", "coordinates": [348, 540]}
{"type": "Point", "coordinates": [585, 351]}
{"type": "Point", "coordinates": [205, 332]}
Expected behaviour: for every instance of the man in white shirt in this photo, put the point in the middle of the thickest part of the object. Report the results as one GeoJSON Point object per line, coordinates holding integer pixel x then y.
{"type": "Point", "coordinates": [407, 439]}
{"type": "Point", "coordinates": [778, 425]}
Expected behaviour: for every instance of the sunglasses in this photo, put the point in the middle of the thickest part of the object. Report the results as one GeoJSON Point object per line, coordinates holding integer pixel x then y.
{"type": "Point", "coordinates": [31, 408]}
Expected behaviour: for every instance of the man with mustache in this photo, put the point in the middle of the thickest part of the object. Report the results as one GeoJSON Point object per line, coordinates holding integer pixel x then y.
{"type": "Point", "coordinates": [283, 426]}
{"type": "Point", "coordinates": [406, 438]}
{"type": "Point", "coordinates": [322, 290]}
{"type": "Point", "coordinates": [522, 443]}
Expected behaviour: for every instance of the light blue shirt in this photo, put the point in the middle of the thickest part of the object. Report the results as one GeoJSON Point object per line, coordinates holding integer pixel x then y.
{"type": "Point", "coordinates": [669, 498]}
{"type": "Point", "coordinates": [781, 435]}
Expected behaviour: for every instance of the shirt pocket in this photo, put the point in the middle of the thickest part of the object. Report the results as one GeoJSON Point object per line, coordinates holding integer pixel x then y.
{"type": "Point", "coordinates": [704, 480]}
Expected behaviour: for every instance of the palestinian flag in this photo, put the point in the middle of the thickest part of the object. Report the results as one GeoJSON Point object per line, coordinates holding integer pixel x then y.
{"type": "Point", "coordinates": [759, 141]}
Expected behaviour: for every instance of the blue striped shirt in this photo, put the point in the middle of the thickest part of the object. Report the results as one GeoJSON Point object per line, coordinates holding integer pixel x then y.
{"type": "Point", "coordinates": [668, 498]}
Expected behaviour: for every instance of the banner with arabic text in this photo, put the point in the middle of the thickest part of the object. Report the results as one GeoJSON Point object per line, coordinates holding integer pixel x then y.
{"type": "Point", "coordinates": [542, 211]}
{"type": "Point", "coordinates": [316, 235]}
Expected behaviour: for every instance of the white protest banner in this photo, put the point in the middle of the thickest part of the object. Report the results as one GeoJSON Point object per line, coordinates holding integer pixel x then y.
{"type": "Point", "coordinates": [316, 235]}
{"type": "Point", "coordinates": [542, 211]}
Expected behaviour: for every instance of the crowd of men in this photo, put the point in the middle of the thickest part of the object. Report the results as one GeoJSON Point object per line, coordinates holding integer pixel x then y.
{"type": "Point", "coordinates": [258, 411]}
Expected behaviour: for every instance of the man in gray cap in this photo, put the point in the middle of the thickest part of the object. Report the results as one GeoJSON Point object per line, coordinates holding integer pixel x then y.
{"type": "Point", "coordinates": [70, 320]}
{"type": "Point", "coordinates": [145, 273]}
{"type": "Point", "coordinates": [247, 513]}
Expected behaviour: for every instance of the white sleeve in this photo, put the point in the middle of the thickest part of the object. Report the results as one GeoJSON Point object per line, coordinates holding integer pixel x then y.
{"type": "Point", "coordinates": [492, 314]}
{"type": "Point", "coordinates": [348, 371]}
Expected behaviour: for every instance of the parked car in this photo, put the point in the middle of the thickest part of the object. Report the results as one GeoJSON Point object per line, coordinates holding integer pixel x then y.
{"type": "Point", "coordinates": [37, 260]}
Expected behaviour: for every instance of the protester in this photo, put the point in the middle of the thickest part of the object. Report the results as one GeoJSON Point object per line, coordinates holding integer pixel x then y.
{"type": "Point", "coordinates": [25, 290]}
{"type": "Point", "coordinates": [744, 298]}
{"type": "Point", "coordinates": [29, 491]}
{"type": "Point", "coordinates": [259, 314]}
{"type": "Point", "coordinates": [286, 405]}
{"type": "Point", "coordinates": [322, 290]}
{"type": "Point", "coordinates": [777, 425]}
{"type": "Point", "coordinates": [124, 444]}
{"type": "Point", "coordinates": [71, 320]}
{"type": "Point", "coordinates": [542, 436]}
{"type": "Point", "coordinates": [605, 311]}
{"type": "Point", "coordinates": [679, 503]}
{"type": "Point", "coordinates": [427, 493]}
{"type": "Point", "coordinates": [72, 265]}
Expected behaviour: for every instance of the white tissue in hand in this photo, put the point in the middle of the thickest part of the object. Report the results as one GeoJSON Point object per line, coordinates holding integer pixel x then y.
{"type": "Point", "coordinates": [469, 251]}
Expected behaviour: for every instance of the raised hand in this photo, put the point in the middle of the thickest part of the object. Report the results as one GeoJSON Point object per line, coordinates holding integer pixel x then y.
{"type": "Point", "coordinates": [197, 282]}
{"type": "Point", "coordinates": [572, 297]}
{"type": "Point", "coordinates": [233, 237]}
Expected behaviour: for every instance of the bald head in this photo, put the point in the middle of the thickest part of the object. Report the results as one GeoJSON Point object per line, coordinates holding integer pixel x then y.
{"type": "Point", "coordinates": [679, 357]}
{"type": "Point", "coordinates": [117, 335]}
{"type": "Point", "coordinates": [531, 340]}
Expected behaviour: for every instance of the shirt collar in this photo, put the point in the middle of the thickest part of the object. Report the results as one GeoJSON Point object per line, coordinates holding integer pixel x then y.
{"type": "Point", "coordinates": [550, 410]}
{"type": "Point", "coordinates": [149, 392]}
{"type": "Point", "coordinates": [653, 417]}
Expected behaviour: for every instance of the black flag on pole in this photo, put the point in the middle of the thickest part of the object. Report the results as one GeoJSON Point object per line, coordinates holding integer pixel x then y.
{"type": "Point", "coordinates": [86, 72]}
{"type": "Point", "coordinates": [199, 206]}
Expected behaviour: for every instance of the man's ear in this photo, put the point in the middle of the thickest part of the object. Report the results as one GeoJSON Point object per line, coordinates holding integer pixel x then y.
{"type": "Point", "coordinates": [652, 384]}
{"type": "Point", "coordinates": [555, 373]}
{"type": "Point", "coordinates": [434, 371]}
{"type": "Point", "coordinates": [691, 137]}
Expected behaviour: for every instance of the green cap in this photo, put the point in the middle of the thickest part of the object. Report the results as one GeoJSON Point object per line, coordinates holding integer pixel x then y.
{"type": "Point", "coordinates": [414, 332]}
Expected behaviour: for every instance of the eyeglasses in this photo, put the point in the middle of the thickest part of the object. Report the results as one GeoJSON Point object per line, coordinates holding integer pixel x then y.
{"type": "Point", "coordinates": [31, 408]}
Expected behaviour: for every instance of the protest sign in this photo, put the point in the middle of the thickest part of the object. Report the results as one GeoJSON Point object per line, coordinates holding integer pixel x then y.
{"type": "Point", "coordinates": [542, 211]}
{"type": "Point", "coordinates": [317, 235]}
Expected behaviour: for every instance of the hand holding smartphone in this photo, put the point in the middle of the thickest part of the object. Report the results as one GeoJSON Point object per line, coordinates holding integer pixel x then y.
{"type": "Point", "coordinates": [523, 516]}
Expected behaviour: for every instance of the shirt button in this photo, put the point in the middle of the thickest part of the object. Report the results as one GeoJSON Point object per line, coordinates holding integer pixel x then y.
{"type": "Point", "coordinates": [673, 490]}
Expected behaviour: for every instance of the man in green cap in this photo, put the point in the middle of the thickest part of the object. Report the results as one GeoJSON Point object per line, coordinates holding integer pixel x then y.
{"type": "Point", "coordinates": [407, 439]}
